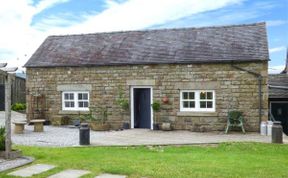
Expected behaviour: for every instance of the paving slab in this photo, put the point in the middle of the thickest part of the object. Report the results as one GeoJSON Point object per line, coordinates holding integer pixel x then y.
{"type": "Point", "coordinates": [70, 173]}
{"type": "Point", "coordinates": [32, 170]}
{"type": "Point", "coordinates": [110, 176]}
{"type": "Point", "coordinates": [14, 163]}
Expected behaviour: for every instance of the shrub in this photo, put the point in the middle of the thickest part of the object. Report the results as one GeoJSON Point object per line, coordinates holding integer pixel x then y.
{"type": "Point", "coordinates": [121, 101]}
{"type": "Point", "coordinates": [2, 138]}
{"type": "Point", "coordinates": [18, 106]}
{"type": "Point", "coordinates": [156, 106]}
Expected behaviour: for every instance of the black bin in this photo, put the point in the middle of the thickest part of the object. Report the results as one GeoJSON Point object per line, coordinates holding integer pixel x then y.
{"type": "Point", "coordinates": [277, 132]}
{"type": "Point", "coordinates": [84, 134]}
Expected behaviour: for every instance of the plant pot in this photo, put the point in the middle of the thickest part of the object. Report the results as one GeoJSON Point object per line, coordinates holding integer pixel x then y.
{"type": "Point", "coordinates": [96, 126]}
{"type": "Point", "coordinates": [126, 125]}
{"type": "Point", "coordinates": [166, 126]}
{"type": "Point", "coordinates": [165, 99]}
{"type": "Point", "coordinates": [156, 127]}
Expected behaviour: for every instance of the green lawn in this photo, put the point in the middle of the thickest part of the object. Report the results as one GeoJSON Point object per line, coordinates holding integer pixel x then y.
{"type": "Point", "coordinates": [225, 160]}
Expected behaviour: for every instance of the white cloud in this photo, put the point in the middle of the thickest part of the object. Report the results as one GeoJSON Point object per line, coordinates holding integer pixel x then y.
{"type": "Point", "coordinates": [139, 14]}
{"type": "Point", "coordinates": [276, 69]}
{"type": "Point", "coordinates": [19, 37]}
{"type": "Point", "coordinates": [277, 49]}
{"type": "Point", "coordinates": [44, 4]}
{"type": "Point", "coordinates": [271, 23]}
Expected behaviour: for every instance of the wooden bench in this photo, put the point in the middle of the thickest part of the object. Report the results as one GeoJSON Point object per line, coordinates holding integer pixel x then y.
{"type": "Point", "coordinates": [19, 127]}
{"type": "Point", "coordinates": [38, 125]}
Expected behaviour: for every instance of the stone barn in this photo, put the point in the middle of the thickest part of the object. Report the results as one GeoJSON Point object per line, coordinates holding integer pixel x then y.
{"type": "Point", "coordinates": [196, 74]}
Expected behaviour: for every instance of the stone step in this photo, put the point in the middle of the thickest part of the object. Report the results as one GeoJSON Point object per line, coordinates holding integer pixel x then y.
{"type": "Point", "coordinates": [70, 173]}
{"type": "Point", "coordinates": [110, 176]}
{"type": "Point", "coordinates": [32, 170]}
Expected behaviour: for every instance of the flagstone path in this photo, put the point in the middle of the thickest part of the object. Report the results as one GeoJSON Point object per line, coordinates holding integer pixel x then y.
{"type": "Point", "coordinates": [11, 164]}
{"type": "Point", "coordinates": [110, 176]}
{"type": "Point", "coordinates": [70, 173]}
{"type": "Point", "coordinates": [32, 170]}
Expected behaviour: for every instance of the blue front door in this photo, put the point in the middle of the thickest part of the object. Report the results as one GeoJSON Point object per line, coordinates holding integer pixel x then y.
{"type": "Point", "coordinates": [142, 108]}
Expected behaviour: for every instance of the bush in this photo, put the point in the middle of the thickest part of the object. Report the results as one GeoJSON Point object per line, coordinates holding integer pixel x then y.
{"type": "Point", "coordinates": [156, 106]}
{"type": "Point", "coordinates": [2, 138]}
{"type": "Point", "coordinates": [122, 101]}
{"type": "Point", "coordinates": [18, 106]}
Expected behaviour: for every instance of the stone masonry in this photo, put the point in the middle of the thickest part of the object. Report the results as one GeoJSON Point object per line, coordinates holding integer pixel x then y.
{"type": "Point", "coordinates": [234, 89]}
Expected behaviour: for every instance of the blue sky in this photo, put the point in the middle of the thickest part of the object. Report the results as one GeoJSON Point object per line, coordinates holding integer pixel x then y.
{"type": "Point", "coordinates": [24, 26]}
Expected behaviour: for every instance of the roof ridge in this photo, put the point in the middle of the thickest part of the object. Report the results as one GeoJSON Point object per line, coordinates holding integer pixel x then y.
{"type": "Point", "coordinates": [163, 29]}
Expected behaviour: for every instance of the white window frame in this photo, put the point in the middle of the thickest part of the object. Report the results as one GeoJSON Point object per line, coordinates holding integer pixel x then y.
{"type": "Point", "coordinates": [197, 101]}
{"type": "Point", "coordinates": [76, 104]}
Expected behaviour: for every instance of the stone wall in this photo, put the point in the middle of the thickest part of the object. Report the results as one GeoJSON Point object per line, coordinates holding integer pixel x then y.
{"type": "Point", "coordinates": [234, 89]}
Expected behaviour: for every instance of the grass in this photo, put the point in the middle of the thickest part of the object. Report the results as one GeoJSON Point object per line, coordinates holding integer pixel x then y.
{"type": "Point", "coordinates": [226, 160]}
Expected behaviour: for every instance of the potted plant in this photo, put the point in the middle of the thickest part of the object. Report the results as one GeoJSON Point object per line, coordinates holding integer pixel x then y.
{"type": "Point", "coordinates": [13, 153]}
{"type": "Point", "coordinates": [156, 108]}
{"type": "Point", "coordinates": [124, 105]}
{"type": "Point", "coordinates": [166, 124]}
{"type": "Point", "coordinates": [97, 123]}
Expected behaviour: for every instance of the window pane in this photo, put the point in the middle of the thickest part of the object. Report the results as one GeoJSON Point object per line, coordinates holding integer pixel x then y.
{"type": "Point", "coordinates": [185, 95]}
{"type": "Point", "coordinates": [192, 104]}
{"type": "Point", "coordinates": [66, 96]}
{"type": "Point", "coordinates": [202, 104]}
{"type": "Point", "coordinates": [85, 96]}
{"type": "Point", "coordinates": [69, 104]}
{"type": "Point", "coordinates": [85, 104]}
{"type": "Point", "coordinates": [202, 95]}
{"type": "Point", "coordinates": [209, 104]}
{"type": "Point", "coordinates": [185, 104]}
{"type": "Point", "coordinates": [191, 95]}
{"type": "Point", "coordinates": [80, 96]}
{"type": "Point", "coordinates": [69, 96]}
{"type": "Point", "coordinates": [209, 95]}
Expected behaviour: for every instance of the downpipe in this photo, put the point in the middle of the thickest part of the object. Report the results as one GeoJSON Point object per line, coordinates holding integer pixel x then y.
{"type": "Point", "coordinates": [259, 78]}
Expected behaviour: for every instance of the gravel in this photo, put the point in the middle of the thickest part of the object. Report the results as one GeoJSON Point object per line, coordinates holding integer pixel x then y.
{"type": "Point", "coordinates": [67, 137]}
{"type": "Point", "coordinates": [52, 136]}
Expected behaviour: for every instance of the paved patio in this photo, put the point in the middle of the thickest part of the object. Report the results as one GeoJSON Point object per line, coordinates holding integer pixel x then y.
{"type": "Point", "coordinates": [64, 136]}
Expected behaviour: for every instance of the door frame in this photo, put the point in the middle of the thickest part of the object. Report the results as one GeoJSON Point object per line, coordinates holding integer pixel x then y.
{"type": "Point", "coordinates": [132, 104]}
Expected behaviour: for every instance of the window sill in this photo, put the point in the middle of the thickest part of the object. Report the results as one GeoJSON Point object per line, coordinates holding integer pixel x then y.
{"type": "Point", "coordinates": [190, 113]}
{"type": "Point", "coordinates": [73, 112]}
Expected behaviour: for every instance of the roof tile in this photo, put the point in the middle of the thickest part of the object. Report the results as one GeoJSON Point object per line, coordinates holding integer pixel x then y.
{"type": "Point", "coordinates": [185, 45]}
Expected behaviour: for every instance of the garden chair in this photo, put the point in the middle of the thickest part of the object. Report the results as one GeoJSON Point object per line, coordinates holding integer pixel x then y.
{"type": "Point", "coordinates": [235, 119]}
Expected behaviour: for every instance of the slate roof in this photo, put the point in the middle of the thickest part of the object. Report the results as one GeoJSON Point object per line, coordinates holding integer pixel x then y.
{"type": "Point", "coordinates": [278, 80]}
{"type": "Point", "coordinates": [186, 45]}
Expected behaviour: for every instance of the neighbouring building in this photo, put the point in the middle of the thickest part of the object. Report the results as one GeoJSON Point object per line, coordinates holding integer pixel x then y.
{"type": "Point", "coordinates": [18, 94]}
{"type": "Point", "coordinates": [278, 96]}
{"type": "Point", "coordinates": [204, 72]}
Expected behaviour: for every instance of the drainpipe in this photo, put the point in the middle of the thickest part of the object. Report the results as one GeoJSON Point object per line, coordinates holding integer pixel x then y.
{"type": "Point", "coordinates": [259, 77]}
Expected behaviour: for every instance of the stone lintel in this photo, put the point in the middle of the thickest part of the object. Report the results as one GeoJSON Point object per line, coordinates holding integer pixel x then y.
{"type": "Point", "coordinates": [198, 85]}
{"type": "Point", "coordinates": [141, 82]}
{"type": "Point", "coordinates": [74, 87]}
